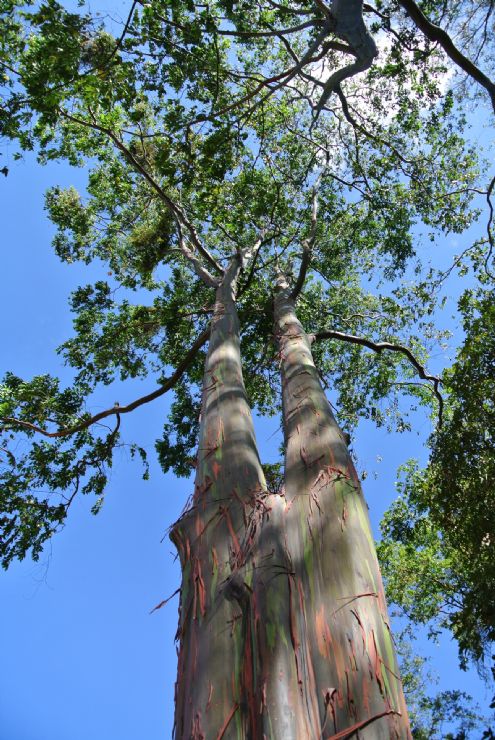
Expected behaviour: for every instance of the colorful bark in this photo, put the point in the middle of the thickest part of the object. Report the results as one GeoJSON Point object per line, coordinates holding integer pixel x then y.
{"type": "Point", "coordinates": [216, 673]}
{"type": "Point", "coordinates": [237, 674]}
{"type": "Point", "coordinates": [341, 636]}
{"type": "Point", "coordinates": [283, 626]}
{"type": "Point", "coordinates": [283, 714]}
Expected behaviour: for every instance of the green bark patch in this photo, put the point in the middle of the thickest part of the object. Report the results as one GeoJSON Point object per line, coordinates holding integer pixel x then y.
{"type": "Point", "coordinates": [339, 632]}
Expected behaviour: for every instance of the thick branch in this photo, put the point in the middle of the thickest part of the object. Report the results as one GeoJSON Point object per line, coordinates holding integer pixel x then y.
{"type": "Point", "coordinates": [379, 347]}
{"type": "Point", "coordinates": [257, 247]}
{"type": "Point", "coordinates": [349, 26]}
{"type": "Point", "coordinates": [117, 410]}
{"type": "Point", "coordinates": [238, 263]}
{"type": "Point", "coordinates": [199, 269]}
{"type": "Point", "coordinates": [438, 35]}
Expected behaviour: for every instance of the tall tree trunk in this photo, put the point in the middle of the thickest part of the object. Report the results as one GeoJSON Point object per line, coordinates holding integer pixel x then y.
{"type": "Point", "coordinates": [346, 663]}
{"type": "Point", "coordinates": [215, 689]}
{"type": "Point", "coordinates": [283, 627]}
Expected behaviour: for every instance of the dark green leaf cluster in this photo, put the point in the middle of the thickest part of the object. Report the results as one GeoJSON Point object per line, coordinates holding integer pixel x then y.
{"type": "Point", "coordinates": [177, 448]}
{"type": "Point", "coordinates": [437, 550]}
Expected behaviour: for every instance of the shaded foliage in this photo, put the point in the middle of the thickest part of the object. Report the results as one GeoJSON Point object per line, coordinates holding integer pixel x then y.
{"type": "Point", "coordinates": [437, 550]}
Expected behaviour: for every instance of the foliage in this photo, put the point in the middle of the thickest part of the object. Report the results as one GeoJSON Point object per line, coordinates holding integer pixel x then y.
{"type": "Point", "coordinates": [437, 548]}
{"type": "Point", "coordinates": [429, 712]}
{"type": "Point", "coordinates": [29, 517]}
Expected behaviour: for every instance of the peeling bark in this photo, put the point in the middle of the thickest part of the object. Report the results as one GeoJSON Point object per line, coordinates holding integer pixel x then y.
{"type": "Point", "coordinates": [215, 689]}
{"type": "Point", "coordinates": [347, 666]}
{"type": "Point", "coordinates": [283, 627]}
{"type": "Point", "coordinates": [237, 673]}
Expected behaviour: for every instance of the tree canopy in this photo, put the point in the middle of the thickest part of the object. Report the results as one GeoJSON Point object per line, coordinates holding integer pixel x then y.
{"type": "Point", "coordinates": [333, 141]}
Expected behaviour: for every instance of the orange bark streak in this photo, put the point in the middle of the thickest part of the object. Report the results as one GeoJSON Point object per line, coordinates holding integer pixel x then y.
{"type": "Point", "coordinates": [323, 635]}
{"type": "Point", "coordinates": [215, 469]}
{"type": "Point", "coordinates": [233, 535]}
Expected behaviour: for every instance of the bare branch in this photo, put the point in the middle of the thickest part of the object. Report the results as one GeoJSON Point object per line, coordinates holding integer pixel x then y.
{"type": "Point", "coordinates": [117, 410]}
{"type": "Point", "coordinates": [379, 347]}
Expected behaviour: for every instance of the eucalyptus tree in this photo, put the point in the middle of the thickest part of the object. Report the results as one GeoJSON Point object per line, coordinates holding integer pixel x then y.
{"type": "Point", "coordinates": [240, 173]}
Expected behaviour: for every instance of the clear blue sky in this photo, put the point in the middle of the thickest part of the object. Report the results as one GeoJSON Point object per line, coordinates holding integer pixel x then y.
{"type": "Point", "coordinates": [81, 657]}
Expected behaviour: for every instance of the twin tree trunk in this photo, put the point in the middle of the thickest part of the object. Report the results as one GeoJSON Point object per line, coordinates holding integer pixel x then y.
{"type": "Point", "coordinates": [283, 627]}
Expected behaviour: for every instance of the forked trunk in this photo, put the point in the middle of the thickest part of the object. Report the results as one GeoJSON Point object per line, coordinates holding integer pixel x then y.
{"type": "Point", "coordinates": [283, 626]}
{"type": "Point", "coordinates": [346, 663]}
{"type": "Point", "coordinates": [237, 673]}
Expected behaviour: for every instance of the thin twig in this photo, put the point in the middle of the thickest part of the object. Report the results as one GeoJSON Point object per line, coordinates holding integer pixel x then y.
{"type": "Point", "coordinates": [379, 347]}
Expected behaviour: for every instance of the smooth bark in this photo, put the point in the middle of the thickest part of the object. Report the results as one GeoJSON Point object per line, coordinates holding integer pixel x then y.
{"type": "Point", "coordinates": [347, 668]}
{"type": "Point", "coordinates": [283, 627]}
{"type": "Point", "coordinates": [216, 672]}
{"type": "Point", "coordinates": [237, 673]}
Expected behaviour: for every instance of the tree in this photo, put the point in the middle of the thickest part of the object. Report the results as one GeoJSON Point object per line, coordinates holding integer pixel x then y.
{"type": "Point", "coordinates": [230, 150]}
{"type": "Point", "coordinates": [429, 712]}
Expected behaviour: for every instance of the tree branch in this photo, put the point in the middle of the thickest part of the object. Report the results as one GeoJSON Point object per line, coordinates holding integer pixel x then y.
{"type": "Point", "coordinates": [438, 35]}
{"type": "Point", "coordinates": [117, 410]}
{"type": "Point", "coordinates": [349, 26]}
{"type": "Point", "coordinates": [260, 243]}
{"type": "Point", "coordinates": [238, 263]}
{"type": "Point", "coordinates": [122, 36]}
{"type": "Point", "coordinates": [274, 32]}
{"type": "Point", "coordinates": [489, 227]}
{"type": "Point", "coordinates": [280, 79]}
{"type": "Point", "coordinates": [174, 208]}
{"type": "Point", "coordinates": [308, 243]}
{"type": "Point", "coordinates": [379, 347]}
{"type": "Point", "coordinates": [287, 9]}
{"type": "Point", "coordinates": [200, 271]}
